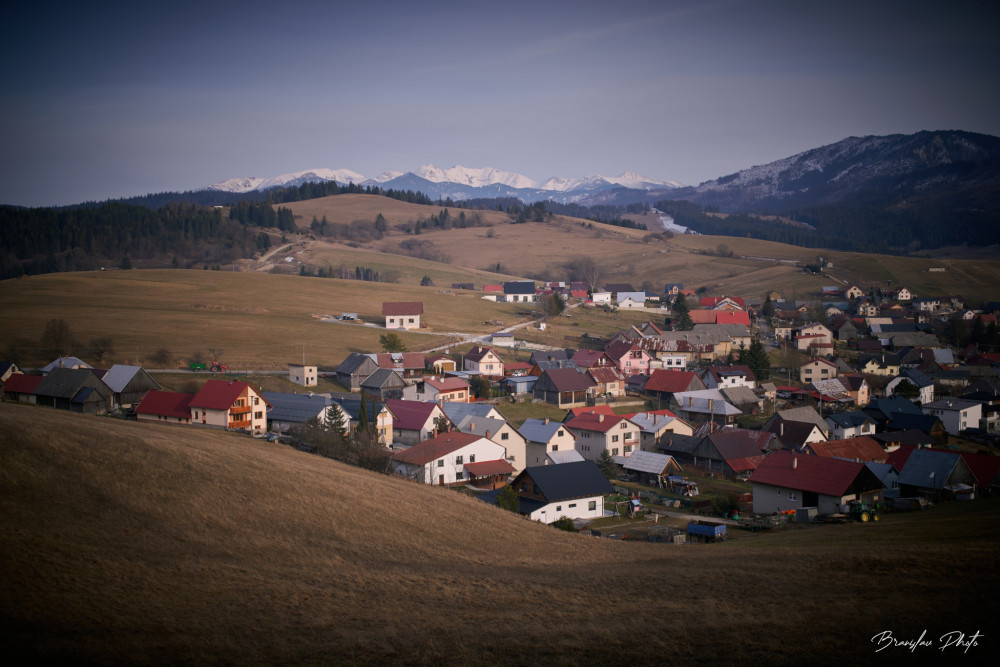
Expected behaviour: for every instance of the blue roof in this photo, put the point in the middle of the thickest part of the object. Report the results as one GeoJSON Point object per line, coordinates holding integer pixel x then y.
{"type": "Point", "coordinates": [119, 375]}
{"type": "Point", "coordinates": [298, 408]}
{"type": "Point", "coordinates": [458, 411]}
{"type": "Point", "coordinates": [568, 480]}
{"type": "Point", "coordinates": [536, 430]}
{"type": "Point", "coordinates": [880, 469]}
{"type": "Point", "coordinates": [928, 469]}
{"type": "Point", "coordinates": [849, 419]}
{"type": "Point", "coordinates": [519, 287]}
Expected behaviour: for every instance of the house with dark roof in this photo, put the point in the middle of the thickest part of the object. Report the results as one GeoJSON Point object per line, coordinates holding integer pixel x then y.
{"type": "Point", "coordinates": [934, 473]}
{"type": "Point", "coordinates": [288, 410]}
{"type": "Point", "coordinates": [377, 416]}
{"type": "Point", "coordinates": [409, 365]}
{"type": "Point", "coordinates": [664, 383]}
{"type": "Point", "coordinates": [608, 381]}
{"type": "Point", "coordinates": [788, 481]}
{"type": "Point", "coordinates": [651, 468]}
{"type": "Point", "coordinates": [794, 435]}
{"type": "Point", "coordinates": [957, 414]}
{"type": "Point", "coordinates": [564, 387]}
{"type": "Point", "coordinates": [230, 405]}
{"type": "Point", "coordinates": [986, 469]}
{"type": "Point", "coordinates": [630, 358]}
{"type": "Point", "coordinates": [452, 458]}
{"type": "Point", "coordinates": [74, 389]}
{"type": "Point", "coordinates": [548, 493]}
{"type": "Point", "coordinates": [519, 291]}
{"type": "Point", "coordinates": [734, 452]}
{"type": "Point", "coordinates": [383, 384]}
{"type": "Point", "coordinates": [402, 314]}
{"type": "Point", "coordinates": [65, 362]}
{"type": "Point", "coordinates": [166, 407]}
{"type": "Point", "coordinates": [850, 424]}
{"type": "Point", "coordinates": [355, 368]}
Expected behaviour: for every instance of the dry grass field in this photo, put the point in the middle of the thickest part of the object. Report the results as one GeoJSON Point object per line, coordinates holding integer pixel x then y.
{"type": "Point", "coordinates": [142, 543]}
{"type": "Point", "coordinates": [255, 321]}
{"type": "Point", "coordinates": [345, 209]}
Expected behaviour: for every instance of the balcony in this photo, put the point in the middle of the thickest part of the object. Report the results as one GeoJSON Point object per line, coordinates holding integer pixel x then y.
{"type": "Point", "coordinates": [240, 410]}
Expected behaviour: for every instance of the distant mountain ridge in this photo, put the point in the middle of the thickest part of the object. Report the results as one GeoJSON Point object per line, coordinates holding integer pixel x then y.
{"type": "Point", "coordinates": [458, 183]}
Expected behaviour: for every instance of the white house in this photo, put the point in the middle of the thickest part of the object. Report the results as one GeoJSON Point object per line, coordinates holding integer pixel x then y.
{"type": "Point", "coordinates": [955, 413]}
{"type": "Point", "coordinates": [596, 433]}
{"type": "Point", "coordinates": [451, 458]}
{"type": "Point", "coordinates": [544, 436]}
{"type": "Point", "coordinates": [571, 490]}
{"type": "Point", "coordinates": [301, 374]}
{"type": "Point", "coordinates": [402, 314]}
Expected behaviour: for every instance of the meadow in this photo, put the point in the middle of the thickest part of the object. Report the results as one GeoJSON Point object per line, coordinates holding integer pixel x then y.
{"type": "Point", "coordinates": [127, 543]}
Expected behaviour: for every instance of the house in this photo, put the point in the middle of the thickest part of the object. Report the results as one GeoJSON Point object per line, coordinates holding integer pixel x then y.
{"type": "Point", "coordinates": [850, 424]}
{"type": "Point", "coordinates": [543, 437]}
{"type": "Point", "coordinates": [854, 292]}
{"type": "Point", "coordinates": [788, 481]}
{"type": "Point", "coordinates": [934, 473]}
{"type": "Point", "coordinates": [651, 468]}
{"type": "Point", "coordinates": [886, 365]}
{"type": "Point", "coordinates": [519, 385]}
{"type": "Point", "coordinates": [956, 414]}
{"type": "Point", "coordinates": [721, 377]}
{"type": "Point", "coordinates": [794, 435]}
{"type": "Point", "coordinates": [564, 387]}
{"type": "Point", "coordinates": [592, 358]}
{"type": "Point", "coordinates": [985, 468]}
{"type": "Point", "coordinates": [857, 388]}
{"type": "Point", "coordinates": [654, 425]}
{"type": "Point", "coordinates": [65, 362]}
{"type": "Point", "coordinates": [436, 389]}
{"type": "Point", "coordinates": [673, 289]}
{"type": "Point", "coordinates": [383, 384]}
{"type": "Point", "coordinates": [230, 405]}
{"type": "Point", "coordinates": [452, 458]}
{"type": "Point", "coordinates": [483, 360]}
{"type": "Point", "coordinates": [165, 406]}
{"type": "Point", "coordinates": [288, 410]}
{"type": "Point", "coordinates": [129, 384]}
{"type": "Point", "coordinates": [572, 490]}
{"type": "Point", "coordinates": [355, 368]}
{"type": "Point", "coordinates": [519, 291]}
{"type": "Point", "coordinates": [402, 314]}
{"type": "Point", "coordinates": [704, 405]}
{"type": "Point", "coordinates": [887, 474]}
{"type": "Point", "coordinates": [735, 452]}
{"type": "Point", "coordinates": [377, 416]}
{"type": "Point", "coordinates": [301, 374]}
{"type": "Point", "coordinates": [457, 411]}
{"type": "Point", "coordinates": [20, 388]}
{"type": "Point", "coordinates": [409, 365]}
{"type": "Point", "coordinates": [630, 358]}
{"type": "Point", "coordinates": [74, 389]}
{"type": "Point", "coordinates": [7, 369]}
{"type": "Point", "coordinates": [663, 384]}
{"type": "Point", "coordinates": [415, 421]}
{"type": "Point", "coordinates": [631, 300]}
{"type": "Point", "coordinates": [817, 369]}
{"type": "Point", "coordinates": [596, 433]}
{"type": "Point", "coordinates": [608, 381]}
{"type": "Point", "coordinates": [917, 378]}
{"type": "Point", "coordinates": [440, 364]}
{"type": "Point", "coordinates": [499, 431]}
{"type": "Point", "coordinates": [861, 448]}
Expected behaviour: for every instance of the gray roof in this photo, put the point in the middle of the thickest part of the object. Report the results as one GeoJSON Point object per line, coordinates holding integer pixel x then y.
{"type": "Point", "coordinates": [650, 462]}
{"type": "Point", "coordinates": [519, 287]}
{"type": "Point", "coordinates": [568, 456]}
{"type": "Point", "coordinates": [928, 469]}
{"type": "Point", "coordinates": [479, 425]}
{"type": "Point", "coordinates": [685, 444]}
{"type": "Point", "coordinates": [65, 362]}
{"type": "Point", "coordinates": [383, 377]}
{"type": "Point", "coordinates": [805, 414]}
{"type": "Point", "coordinates": [917, 377]}
{"type": "Point", "coordinates": [880, 469]}
{"type": "Point", "coordinates": [651, 423]}
{"type": "Point", "coordinates": [458, 411]}
{"type": "Point", "coordinates": [741, 395]}
{"type": "Point", "coordinates": [119, 375]}
{"type": "Point", "coordinates": [950, 404]}
{"type": "Point", "coordinates": [849, 419]}
{"type": "Point", "coordinates": [569, 480]}
{"type": "Point", "coordinates": [67, 383]}
{"type": "Point", "coordinates": [353, 361]}
{"type": "Point", "coordinates": [295, 408]}
{"type": "Point", "coordinates": [536, 430]}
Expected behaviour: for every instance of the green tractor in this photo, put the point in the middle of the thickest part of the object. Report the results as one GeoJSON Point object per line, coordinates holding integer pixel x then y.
{"type": "Point", "coordinates": [865, 512]}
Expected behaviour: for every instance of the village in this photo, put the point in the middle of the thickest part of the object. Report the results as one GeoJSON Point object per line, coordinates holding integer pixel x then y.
{"type": "Point", "coordinates": [804, 410]}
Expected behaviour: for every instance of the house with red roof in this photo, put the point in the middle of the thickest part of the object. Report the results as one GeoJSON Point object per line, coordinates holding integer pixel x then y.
{"type": "Point", "coordinates": [861, 448]}
{"type": "Point", "coordinates": [608, 381]}
{"type": "Point", "coordinates": [414, 421]}
{"type": "Point", "coordinates": [169, 407]}
{"type": "Point", "coordinates": [21, 388]}
{"type": "Point", "coordinates": [664, 383]}
{"type": "Point", "coordinates": [599, 432]}
{"type": "Point", "coordinates": [630, 358]}
{"type": "Point", "coordinates": [440, 363]}
{"type": "Point", "coordinates": [437, 388]}
{"type": "Point", "coordinates": [483, 360]}
{"type": "Point", "coordinates": [230, 405]}
{"type": "Point", "coordinates": [453, 458]}
{"type": "Point", "coordinates": [589, 358]}
{"type": "Point", "coordinates": [730, 303]}
{"type": "Point", "coordinates": [788, 481]}
{"type": "Point", "coordinates": [409, 365]}
{"type": "Point", "coordinates": [402, 314]}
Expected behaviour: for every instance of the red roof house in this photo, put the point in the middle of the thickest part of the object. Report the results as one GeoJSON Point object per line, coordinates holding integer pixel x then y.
{"type": "Point", "coordinates": [785, 481]}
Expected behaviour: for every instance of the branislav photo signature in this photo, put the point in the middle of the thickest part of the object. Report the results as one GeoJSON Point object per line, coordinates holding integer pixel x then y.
{"type": "Point", "coordinates": [955, 640]}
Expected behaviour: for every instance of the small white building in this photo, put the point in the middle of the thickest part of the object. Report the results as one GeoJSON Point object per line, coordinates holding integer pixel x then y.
{"type": "Point", "coordinates": [572, 490]}
{"type": "Point", "coordinates": [402, 314]}
{"type": "Point", "coordinates": [445, 460]}
{"type": "Point", "coordinates": [955, 413]}
{"type": "Point", "coordinates": [300, 374]}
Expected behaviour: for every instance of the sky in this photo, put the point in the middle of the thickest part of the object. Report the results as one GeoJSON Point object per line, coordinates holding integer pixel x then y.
{"type": "Point", "coordinates": [114, 99]}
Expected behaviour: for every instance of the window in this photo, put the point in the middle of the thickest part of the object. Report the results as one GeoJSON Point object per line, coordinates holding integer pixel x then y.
{"type": "Point", "coordinates": [472, 458]}
{"type": "Point", "coordinates": [555, 448]}
{"type": "Point", "coordinates": [592, 505]}
{"type": "Point", "coordinates": [460, 474]}
{"type": "Point", "coordinates": [614, 438]}
{"type": "Point", "coordinates": [505, 436]}
{"type": "Point", "coordinates": [628, 436]}
{"type": "Point", "coordinates": [440, 463]}
{"type": "Point", "coordinates": [410, 320]}
{"type": "Point", "coordinates": [614, 452]}
{"type": "Point", "coordinates": [258, 415]}
{"type": "Point", "coordinates": [256, 400]}
{"type": "Point", "coordinates": [572, 505]}
{"type": "Point", "coordinates": [559, 508]}
{"type": "Point", "coordinates": [792, 495]}
{"type": "Point", "coordinates": [628, 448]}
{"type": "Point", "coordinates": [623, 425]}
{"type": "Point", "coordinates": [458, 460]}
{"type": "Point", "coordinates": [559, 433]}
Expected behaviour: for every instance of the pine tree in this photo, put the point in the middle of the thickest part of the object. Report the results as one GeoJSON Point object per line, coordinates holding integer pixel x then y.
{"type": "Point", "coordinates": [757, 359]}
{"type": "Point", "coordinates": [682, 317]}
{"type": "Point", "coordinates": [607, 465]}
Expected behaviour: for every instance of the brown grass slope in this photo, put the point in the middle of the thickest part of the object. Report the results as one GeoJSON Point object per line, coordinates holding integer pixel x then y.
{"type": "Point", "coordinates": [127, 542]}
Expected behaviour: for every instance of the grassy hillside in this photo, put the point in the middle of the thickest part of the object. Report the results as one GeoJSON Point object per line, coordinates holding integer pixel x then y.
{"type": "Point", "coordinates": [253, 321]}
{"type": "Point", "coordinates": [130, 542]}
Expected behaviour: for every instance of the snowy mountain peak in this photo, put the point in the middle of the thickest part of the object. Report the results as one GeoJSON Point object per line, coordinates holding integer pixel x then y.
{"type": "Point", "coordinates": [296, 178]}
{"type": "Point", "coordinates": [474, 177]}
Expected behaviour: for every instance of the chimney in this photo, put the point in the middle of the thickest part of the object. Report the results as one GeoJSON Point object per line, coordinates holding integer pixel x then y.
{"type": "Point", "coordinates": [600, 417]}
{"type": "Point", "coordinates": [472, 427]}
{"type": "Point", "coordinates": [781, 429]}
{"type": "Point", "coordinates": [795, 463]}
{"type": "Point", "coordinates": [546, 420]}
{"type": "Point", "coordinates": [654, 418]}
{"type": "Point", "coordinates": [487, 435]}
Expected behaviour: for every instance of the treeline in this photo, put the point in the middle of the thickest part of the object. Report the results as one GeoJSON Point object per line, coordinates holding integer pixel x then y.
{"type": "Point", "coordinates": [114, 234]}
{"type": "Point", "coordinates": [263, 215]}
{"type": "Point", "coordinates": [608, 215]}
{"type": "Point", "coordinates": [344, 272]}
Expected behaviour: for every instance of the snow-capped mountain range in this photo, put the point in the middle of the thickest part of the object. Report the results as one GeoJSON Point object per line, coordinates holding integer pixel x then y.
{"type": "Point", "coordinates": [459, 183]}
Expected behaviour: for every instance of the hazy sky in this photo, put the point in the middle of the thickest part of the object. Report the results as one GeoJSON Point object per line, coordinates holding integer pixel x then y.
{"type": "Point", "coordinates": [109, 99]}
